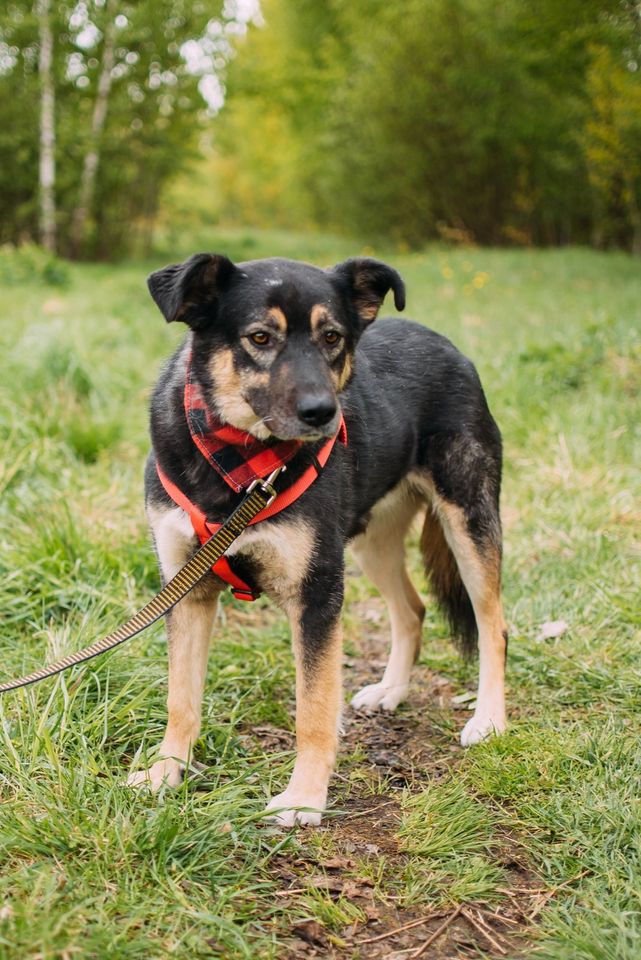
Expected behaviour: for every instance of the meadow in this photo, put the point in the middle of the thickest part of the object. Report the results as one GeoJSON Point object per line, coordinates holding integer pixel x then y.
{"type": "Point", "coordinates": [527, 845]}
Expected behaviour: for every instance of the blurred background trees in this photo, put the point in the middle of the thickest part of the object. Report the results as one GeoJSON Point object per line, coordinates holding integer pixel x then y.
{"type": "Point", "coordinates": [516, 121]}
{"type": "Point", "coordinates": [128, 111]}
{"type": "Point", "coordinates": [465, 120]}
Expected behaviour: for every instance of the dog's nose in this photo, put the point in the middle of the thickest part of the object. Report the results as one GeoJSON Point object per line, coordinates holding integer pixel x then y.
{"type": "Point", "coordinates": [316, 409]}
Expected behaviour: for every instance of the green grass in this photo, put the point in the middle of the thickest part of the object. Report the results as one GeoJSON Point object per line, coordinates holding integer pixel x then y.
{"type": "Point", "coordinates": [88, 869]}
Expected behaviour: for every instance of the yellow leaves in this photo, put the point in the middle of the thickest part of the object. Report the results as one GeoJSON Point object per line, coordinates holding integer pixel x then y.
{"type": "Point", "coordinates": [612, 139]}
{"type": "Point", "coordinates": [472, 284]}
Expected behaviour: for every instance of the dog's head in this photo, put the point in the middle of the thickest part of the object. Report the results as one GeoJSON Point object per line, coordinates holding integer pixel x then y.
{"type": "Point", "coordinates": [273, 340]}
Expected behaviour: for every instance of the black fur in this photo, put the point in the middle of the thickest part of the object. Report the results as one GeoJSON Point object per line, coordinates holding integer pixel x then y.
{"type": "Point", "coordinates": [413, 404]}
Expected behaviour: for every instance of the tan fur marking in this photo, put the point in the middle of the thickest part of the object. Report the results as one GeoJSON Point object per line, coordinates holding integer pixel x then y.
{"type": "Point", "coordinates": [367, 310]}
{"type": "Point", "coordinates": [176, 543]}
{"type": "Point", "coordinates": [484, 568]}
{"type": "Point", "coordinates": [380, 552]}
{"type": "Point", "coordinates": [278, 317]}
{"type": "Point", "coordinates": [345, 374]}
{"type": "Point", "coordinates": [283, 550]}
{"type": "Point", "coordinates": [318, 708]}
{"type": "Point", "coordinates": [189, 628]}
{"type": "Point", "coordinates": [481, 575]}
{"type": "Point", "coordinates": [318, 316]}
{"type": "Point", "coordinates": [228, 399]}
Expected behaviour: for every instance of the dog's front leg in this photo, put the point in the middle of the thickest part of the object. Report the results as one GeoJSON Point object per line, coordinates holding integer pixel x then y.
{"type": "Point", "coordinates": [317, 641]}
{"type": "Point", "coordinates": [189, 629]}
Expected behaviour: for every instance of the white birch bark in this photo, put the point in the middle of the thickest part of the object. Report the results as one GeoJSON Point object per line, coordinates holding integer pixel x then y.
{"type": "Point", "coordinates": [47, 171]}
{"type": "Point", "coordinates": [92, 156]}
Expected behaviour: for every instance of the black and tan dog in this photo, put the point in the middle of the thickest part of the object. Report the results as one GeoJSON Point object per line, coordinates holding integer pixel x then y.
{"type": "Point", "coordinates": [281, 350]}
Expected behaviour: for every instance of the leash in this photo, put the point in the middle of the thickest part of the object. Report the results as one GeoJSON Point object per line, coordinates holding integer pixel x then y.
{"type": "Point", "coordinates": [260, 494]}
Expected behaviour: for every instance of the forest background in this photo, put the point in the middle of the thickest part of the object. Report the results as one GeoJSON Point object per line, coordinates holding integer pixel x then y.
{"type": "Point", "coordinates": [511, 123]}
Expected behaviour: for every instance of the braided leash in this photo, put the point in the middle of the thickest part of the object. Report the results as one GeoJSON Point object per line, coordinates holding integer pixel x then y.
{"type": "Point", "coordinates": [259, 495]}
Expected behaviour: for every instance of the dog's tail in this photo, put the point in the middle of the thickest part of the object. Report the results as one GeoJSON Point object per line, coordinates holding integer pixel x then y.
{"type": "Point", "coordinates": [445, 580]}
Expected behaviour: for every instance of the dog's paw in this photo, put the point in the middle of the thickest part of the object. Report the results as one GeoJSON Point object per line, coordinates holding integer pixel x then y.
{"type": "Point", "coordinates": [378, 696]}
{"type": "Point", "coordinates": [163, 773]}
{"type": "Point", "coordinates": [290, 809]}
{"type": "Point", "coordinates": [481, 727]}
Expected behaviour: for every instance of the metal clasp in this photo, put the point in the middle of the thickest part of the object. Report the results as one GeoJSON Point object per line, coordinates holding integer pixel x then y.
{"type": "Point", "coordinates": [267, 485]}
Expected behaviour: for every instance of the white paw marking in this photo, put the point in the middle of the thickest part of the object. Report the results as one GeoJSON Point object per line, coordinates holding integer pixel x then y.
{"type": "Point", "coordinates": [378, 696]}
{"type": "Point", "coordinates": [288, 812]}
{"type": "Point", "coordinates": [482, 726]}
{"type": "Point", "coordinates": [168, 773]}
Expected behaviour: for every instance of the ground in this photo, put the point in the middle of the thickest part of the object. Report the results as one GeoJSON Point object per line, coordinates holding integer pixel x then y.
{"type": "Point", "coordinates": [526, 845]}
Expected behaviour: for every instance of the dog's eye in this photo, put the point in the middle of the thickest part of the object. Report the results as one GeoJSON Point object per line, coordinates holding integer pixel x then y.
{"type": "Point", "coordinates": [260, 338]}
{"type": "Point", "coordinates": [332, 337]}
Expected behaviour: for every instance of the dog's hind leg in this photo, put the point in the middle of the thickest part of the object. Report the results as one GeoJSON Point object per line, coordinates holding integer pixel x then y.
{"type": "Point", "coordinates": [189, 629]}
{"type": "Point", "coordinates": [380, 552]}
{"type": "Point", "coordinates": [461, 544]}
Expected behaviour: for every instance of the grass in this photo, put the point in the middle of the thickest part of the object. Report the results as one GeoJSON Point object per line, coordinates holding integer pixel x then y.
{"type": "Point", "coordinates": [88, 869]}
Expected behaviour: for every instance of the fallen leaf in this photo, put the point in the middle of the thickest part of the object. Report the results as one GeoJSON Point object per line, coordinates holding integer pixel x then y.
{"type": "Point", "coordinates": [464, 697]}
{"type": "Point", "coordinates": [333, 884]}
{"type": "Point", "coordinates": [216, 947]}
{"type": "Point", "coordinates": [552, 629]}
{"type": "Point", "coordinates": [310, 931]}
{"type": "Point", "coordinates": [337, 863]}
{"type": "Point", "coordinates": [357, 888]}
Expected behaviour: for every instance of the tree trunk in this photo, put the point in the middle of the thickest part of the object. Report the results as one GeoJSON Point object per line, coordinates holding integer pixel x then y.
{"type": "Point", "coordinates": [92, 156]}
{"type": "Point", "coordinates": [633, 209]}
{"type": "Point", "coordinates": [47, 173]}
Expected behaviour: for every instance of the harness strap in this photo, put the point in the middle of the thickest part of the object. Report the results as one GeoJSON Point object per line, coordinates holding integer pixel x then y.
{"type": "Point", "coordinates": [204, 528]}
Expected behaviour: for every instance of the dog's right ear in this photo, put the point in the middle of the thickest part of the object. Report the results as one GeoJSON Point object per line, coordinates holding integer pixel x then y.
{"type": "Point", "coordinates": [188, 291]}
{"type": "Point", "coordinates": [367, 282]}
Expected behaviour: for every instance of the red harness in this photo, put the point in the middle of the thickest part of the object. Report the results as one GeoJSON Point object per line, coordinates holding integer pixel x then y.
{"type": "Point", "coordinates": [223, 445]}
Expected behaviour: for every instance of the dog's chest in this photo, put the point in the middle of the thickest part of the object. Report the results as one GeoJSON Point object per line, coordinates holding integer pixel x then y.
{"type": "Point", "coordinates": [280, 552]}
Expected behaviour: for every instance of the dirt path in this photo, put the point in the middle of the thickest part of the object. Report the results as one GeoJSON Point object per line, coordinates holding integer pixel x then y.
{"type": "Point", "coordinates": [388, 754]}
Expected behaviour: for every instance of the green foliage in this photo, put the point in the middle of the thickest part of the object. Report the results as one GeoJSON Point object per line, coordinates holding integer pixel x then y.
{"type": "Point", "coordinates": [447, 835]}
{"type": "Point", "coordinates": [154, 113]}
{"type": "Point", "coordinates": [613, 145]}
{"type": "Point", "coordinates": [29, 264]}
{"type": "Point", "coordinates": [443, 821]}
{"type": "Point", "coordinates": [577, 789]}
{"type": "Point", "coordinates": [454, 118]}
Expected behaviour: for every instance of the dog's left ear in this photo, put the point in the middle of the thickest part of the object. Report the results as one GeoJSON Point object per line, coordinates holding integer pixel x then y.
{"type": "Point", "coordinates": [367, 283]}
{"type": "Point", "coordinates": [188, 291]}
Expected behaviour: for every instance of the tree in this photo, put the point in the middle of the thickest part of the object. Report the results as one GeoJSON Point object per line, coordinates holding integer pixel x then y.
{"type": "Point", "coordinates": [92, 155]}
{"type": "Point", "coordinates": [129, 113]}
{"type": "Point", "coordinates": [47, 166]}
{"type": "Point", "coordinates": [422, 118]}
{"type": "Point", "coordinates": [612, 142]}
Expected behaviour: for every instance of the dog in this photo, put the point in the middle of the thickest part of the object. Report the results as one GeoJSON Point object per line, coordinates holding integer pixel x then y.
{"type": "Point", "coordinates": [286, 354]}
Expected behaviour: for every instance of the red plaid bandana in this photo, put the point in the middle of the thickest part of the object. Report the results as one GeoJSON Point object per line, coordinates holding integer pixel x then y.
{"type": "Point", "coordinates": [239, 457]}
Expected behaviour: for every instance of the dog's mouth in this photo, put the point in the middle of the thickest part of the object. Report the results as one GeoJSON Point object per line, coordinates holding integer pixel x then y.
{"type": "Point", "coordinates": [288, 425]}
{"type": "Point", "coordinates": [294, 429]}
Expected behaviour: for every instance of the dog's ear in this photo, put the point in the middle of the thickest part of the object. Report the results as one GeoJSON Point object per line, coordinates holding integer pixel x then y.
{"type": "Point", "coordinates": [367, 283]}
{"type": "Point", "coordinates": [188, 291]}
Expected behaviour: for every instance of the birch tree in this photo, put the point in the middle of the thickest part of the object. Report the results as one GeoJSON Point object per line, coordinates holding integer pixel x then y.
{"type": "Point", "coordinates": [92, 156]}
{"type": "Point", "coordinates": [47, 171]}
